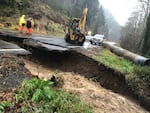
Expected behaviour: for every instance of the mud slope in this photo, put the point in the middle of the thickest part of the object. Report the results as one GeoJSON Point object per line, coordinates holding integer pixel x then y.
{"type": "Point", "coordinates": [102, 100]}
{"type": "Point", "coordinates": [77, 63]}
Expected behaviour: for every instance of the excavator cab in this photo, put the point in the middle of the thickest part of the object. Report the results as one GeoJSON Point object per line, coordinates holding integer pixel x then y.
{"type": "Point", "coordinates": [75, 33]}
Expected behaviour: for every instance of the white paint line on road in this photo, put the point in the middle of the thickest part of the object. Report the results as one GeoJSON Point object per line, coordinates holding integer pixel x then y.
{"type": "Point", "coordinates": [5, 50]}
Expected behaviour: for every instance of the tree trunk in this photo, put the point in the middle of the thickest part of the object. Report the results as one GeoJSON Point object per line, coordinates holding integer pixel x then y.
{"type": "Point", "coordinates": [146, 44]}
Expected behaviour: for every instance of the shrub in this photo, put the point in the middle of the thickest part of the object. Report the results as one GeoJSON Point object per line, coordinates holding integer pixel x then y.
{"type": "Point", "coordinates": [34, 89]}
{"type": "Point", "coordinates": [143, 73]}
{"type": "Point", "coordinates": [37, 96]}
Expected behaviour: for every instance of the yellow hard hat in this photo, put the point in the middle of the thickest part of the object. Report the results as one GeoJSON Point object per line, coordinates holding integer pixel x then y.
{"type": "Point", "coordinates": [23, 15]}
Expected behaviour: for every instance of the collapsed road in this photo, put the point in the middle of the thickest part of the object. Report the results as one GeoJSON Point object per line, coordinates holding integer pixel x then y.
{"type": "Point", "coordinates": [48, 43]}
{"type": "Point", "coordinates": [45, 43]}
{"type": "Point", "coordinates": [58, 51]}
{"type": "Point", "coordinates": [9, 48]}
{"type": "Point", "coordinates": [52, 43]}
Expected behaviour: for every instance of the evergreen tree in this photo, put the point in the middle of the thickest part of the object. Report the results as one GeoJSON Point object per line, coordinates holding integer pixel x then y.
{"type": "Point", "coordinates": [100, 22]}
{"type": "Point", "coordinates": [146, 43]}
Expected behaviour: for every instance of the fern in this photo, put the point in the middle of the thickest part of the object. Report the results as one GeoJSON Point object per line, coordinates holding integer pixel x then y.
{"type": "Point", "coordinates": [34, 89]}
{"type": "Point", "coordinates": [36, 95]}
{"type": "Point", "coordinates": [41, 98]}
{"type": "Point", "coordinates": [3, 105]}
{"type": "Point", "coordinates": [1, 108]}
{"type": "Point", "coordinates": [47, 92]}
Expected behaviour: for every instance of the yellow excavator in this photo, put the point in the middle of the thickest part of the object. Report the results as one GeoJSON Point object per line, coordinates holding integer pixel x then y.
{"type": "Point", "coordinates": [76, 30]}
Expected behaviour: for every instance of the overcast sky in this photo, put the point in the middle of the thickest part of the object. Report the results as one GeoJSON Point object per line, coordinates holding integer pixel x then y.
{"type": "Point", "coordinates": [120, 9]}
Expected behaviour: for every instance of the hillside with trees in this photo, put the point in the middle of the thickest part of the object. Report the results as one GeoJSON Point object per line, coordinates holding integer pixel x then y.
{"type": "Point", "coordinates": [113, 27]}
{"type": "Point", "coordinates": [73, 8]}
{"type": "Point", "coordinates": [45, 18]}
{"type": "Point", "coordinates": [51, 16]}
{"type": "Point", "coordinates": [135, 34]}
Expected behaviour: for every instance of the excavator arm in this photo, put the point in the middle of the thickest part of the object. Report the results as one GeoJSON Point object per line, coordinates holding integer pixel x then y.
{"type": "Point", "coordinates": [83, 20]}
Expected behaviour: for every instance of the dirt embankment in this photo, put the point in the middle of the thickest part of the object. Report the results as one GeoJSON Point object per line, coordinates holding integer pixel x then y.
{"type": "Point", "coordinates": [12, 73]}
{"type": "Point", "coordinates": [79, 64]}
{"type": "Point", "coordinates": [75, 70]}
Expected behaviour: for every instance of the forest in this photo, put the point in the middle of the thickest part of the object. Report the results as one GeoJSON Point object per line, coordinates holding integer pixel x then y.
{"type": "Point", "coordinates": [135, 35]}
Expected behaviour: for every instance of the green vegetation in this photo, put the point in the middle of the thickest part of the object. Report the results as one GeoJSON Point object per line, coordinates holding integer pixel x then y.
{"type": "Point", "coordinates": [36, 95]}
{"type": "Point", "coordinates": [46, 20]}
{"type": "Point", "coordinates": [55, 29]}
{"type": "Point", "coordinates": [3, 105]}
{"type": "Point", "coordinates": [143, 73]}
{"type": "Point", "coordinates": [140, 78]}
{"type": "Point", "coordinates": [113, 61]}
{"type": "Point", "coordinates": [137, 39]}
{"type": "Point", "coordinates": [137, 77]}
{"type": "Point", "coordinates": [50, 15]}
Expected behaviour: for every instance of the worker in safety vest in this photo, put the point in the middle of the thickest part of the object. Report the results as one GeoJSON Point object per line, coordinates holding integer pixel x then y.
{"type": "Point", "coordinates": [21, 23]}
{"type": "Point", "coordinates": [29, 25]}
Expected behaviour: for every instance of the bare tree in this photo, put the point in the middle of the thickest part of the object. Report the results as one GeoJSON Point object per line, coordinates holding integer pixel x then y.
{"type": "Point", "coordinates": [132, 35]}
{"type": "Point", "coordinates": [144, 9]}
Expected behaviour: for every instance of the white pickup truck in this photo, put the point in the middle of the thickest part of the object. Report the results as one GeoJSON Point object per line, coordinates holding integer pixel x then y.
{"type": "Point", "coordinates": [97, 39]}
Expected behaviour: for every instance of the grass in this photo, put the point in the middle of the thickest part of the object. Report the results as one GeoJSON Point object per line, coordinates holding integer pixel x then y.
{"type": "Point", "coordinates": [137, 77]}
{"type": "Point", "coordinates": [113, 61]}
{"type": "Point", "coordinates": [37, 96]}
{"type": "Point", "coordinates": [143, 73]}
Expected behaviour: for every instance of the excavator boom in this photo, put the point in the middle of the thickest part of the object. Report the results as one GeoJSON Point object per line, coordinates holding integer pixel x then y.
{"type": "Point", "coordinates": [83, 20]}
